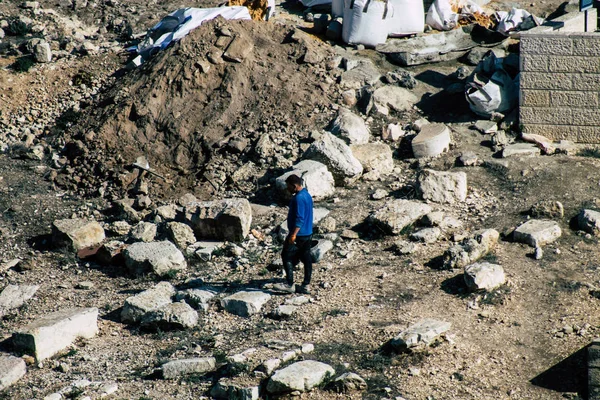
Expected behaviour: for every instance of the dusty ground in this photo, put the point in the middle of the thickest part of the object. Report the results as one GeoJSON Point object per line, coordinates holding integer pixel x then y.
{"type": "Point", "coordinates": [505, 345]}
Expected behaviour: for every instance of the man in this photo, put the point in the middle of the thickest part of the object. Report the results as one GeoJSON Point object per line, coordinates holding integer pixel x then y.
{"type": "Point", "coordinates": [298, 242]}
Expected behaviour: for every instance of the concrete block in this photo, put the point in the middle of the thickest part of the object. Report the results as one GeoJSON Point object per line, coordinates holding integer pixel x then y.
{"type": "Point", "coordinates": [534, 63]}
{"type": "Point", "coordinates": [541, 80]}
{"type": "Point", "coordinates": [554, 132]}
{"type": "Point", "coordinates": [574, 64]}
{"type": "Point", "coordinates": [11, 370]}
{"type": "Point", "coordinates": [586, 117]}
{"type": "Point", "coordinates": [586, 45]}
{"type": "Point", "coordinates": [573, 99]}
{"type": "Point", "coordinates": [548, 116]}
{"type": "Point", "coordinates": [550, 44]}
{"type": "Point", "coordinates": [535, 98]}
{"type": "Point", "coordinates": [584, 82]}
{"type": "Point", "coordinates": [56, 331]}
{"type": "Point", "coordinates": [588, 134]}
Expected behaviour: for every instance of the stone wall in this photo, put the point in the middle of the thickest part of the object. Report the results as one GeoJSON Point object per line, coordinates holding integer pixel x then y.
{"type": "Point", "coordinates": [560, 86]}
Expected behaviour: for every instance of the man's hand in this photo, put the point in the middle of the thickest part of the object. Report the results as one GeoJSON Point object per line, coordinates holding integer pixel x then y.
{"type": "Point", "coordinates": [291, 239]}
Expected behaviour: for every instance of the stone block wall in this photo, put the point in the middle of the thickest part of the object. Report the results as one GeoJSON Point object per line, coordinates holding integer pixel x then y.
{"type": "Point", "coordinates": [593, 367]}
{"type": "Point", "coordinates": [560, 86]}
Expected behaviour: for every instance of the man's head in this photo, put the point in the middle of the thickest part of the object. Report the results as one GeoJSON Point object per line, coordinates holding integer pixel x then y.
{"type": "Point", "coordinates": [294, 184]}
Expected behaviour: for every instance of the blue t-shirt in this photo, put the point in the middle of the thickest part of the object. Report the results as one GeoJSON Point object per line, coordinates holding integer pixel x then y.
{"type": "Point", "coordinates": [300, 213]}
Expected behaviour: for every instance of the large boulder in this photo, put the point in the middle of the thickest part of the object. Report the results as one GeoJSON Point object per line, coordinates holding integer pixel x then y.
{"type": "Point", "coordinates": [442, 187]}
{"type": "Point", "coordinates": [350, 127]}
{"type": "Point", "coordinates": [484, 276]}
{"type": "Point", "coordinates": [160, 258]}
{"type": "Point", "coordinates": [301, 376]}
{"type": "Point", "coordinates": [375, 158]}
{"type": "Point", "coordinates": [227, 219]}
{"type": "Point", "coordinates": [537, 232]}
{"type": "Point", "coordinates": [394, 98]}
{"type": "Point", "coordinates": [396, 215]}
{"type": "Point", "coordinates": [11, 370]}
{"type": "Point", "coordinates": [338, 158]}
{"type": "Point", "coordinates": [317, 180]}
{"type": "Point", "coordinates": [77, 234]}
{"type": "Point", "coordinates": [471, 249]}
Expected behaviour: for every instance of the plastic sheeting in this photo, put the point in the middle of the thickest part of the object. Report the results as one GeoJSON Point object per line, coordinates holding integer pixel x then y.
{"type": "Point", "coordinates": [180, 23]}
{"type": "Point", "coordinates": [407, 18]}
{"type": "Point", "coordinates": [516, 20]}
{"type": "Point", "coordinates": [366, 21]}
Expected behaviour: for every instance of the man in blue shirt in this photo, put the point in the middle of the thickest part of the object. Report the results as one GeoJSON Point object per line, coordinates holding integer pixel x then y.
{"type": "Point", "coordinates": [298, 242]}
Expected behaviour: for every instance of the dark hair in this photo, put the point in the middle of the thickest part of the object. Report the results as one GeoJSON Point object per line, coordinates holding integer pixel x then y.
{"type": "Point", "coordinates": [294, 180]}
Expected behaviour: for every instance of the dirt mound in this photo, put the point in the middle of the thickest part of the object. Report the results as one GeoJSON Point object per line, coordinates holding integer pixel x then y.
{"type": "Point", "coordinates": [211, 96]}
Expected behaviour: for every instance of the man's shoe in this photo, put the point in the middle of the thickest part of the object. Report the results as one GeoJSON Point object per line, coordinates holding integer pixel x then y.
{"type": "Point", "coordinates": [303, 289]}
{"type": "Point", "coordinates": [284, 288]}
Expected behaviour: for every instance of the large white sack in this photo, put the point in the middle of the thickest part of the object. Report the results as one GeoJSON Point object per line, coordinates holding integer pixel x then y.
{"type": "Point", "coordinates": [366, 21]}
{"type": "Point", "coordinates": [314, 3]}
{"type": "Point", "coordinates": [441, 17]}
{"type": "Point", "coordinates": [408, 18]}
{"type": "Point", "coordinates": [337, 8]}
{"type": "Point", "coordinates": [499, 94]}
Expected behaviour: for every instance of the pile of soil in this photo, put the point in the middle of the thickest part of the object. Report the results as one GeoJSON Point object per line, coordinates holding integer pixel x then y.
{"type": "Point", "coordinates": [197, 97]}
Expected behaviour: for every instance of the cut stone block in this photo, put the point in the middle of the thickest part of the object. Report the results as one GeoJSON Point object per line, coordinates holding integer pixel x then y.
{"type": "Point", "coordinates": [228, 389]}
{"type": "Point", "coordinates": [376, 159]}
{"type": "Point", "coordinates": [432, 140]}
{"type": "Point", "coordinates": [442, 187]}
{"type": "Point", "coordinates": [521, 149]}
{"type": "Point", "coordinates": [77, 234]}
{"type": "Point", "coordinates": [537, 232]}
{"type": "Point", "coordinates": [14, 296]}
{"type": "Point", "coordinates": [227, 219]}
{"type": "Point", "coordinates": [160, 258]}
{"type": "Point", "coordinates": [149, 300]}
{"type": "Point", "coordinates": [421, 334]}
{"type": "Point", "coordinates": [301, 376]}
{"type": "Point", "coordinates": [338, 157]}
{"type": "Point", "coordinates": [11, 370]}
{"type": "Point", "coordinates": [172, 316]}
{"type": "Point", "coordinates": [56, 331]}
{"type": "Point", "coordinates": [317, 180]}
{"type": "Point", "coordinates": [589, 221]}
{"type": "Point", "coordinates": [179, 368]}
{"type": "Point", "coordinates": [395, 215]}
{"type": "Point", "coordinates": [245, 303]}
{"type": "Point", "coordinates": [484, 276]}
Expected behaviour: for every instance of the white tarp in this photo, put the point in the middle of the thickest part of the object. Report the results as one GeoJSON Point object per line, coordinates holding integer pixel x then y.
{"type": "Point", "coordinates": [180, 23]}
{"type": "Point", "coordinates": [366, 21]}
{"type": "Point", "coordinates": [407, 17]}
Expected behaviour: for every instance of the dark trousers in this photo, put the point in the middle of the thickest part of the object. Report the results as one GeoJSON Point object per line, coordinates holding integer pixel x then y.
{"type": "Point", "coordinates": [292, 254]}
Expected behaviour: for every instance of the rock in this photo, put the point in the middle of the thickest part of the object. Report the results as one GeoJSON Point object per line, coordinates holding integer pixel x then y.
{"type": "Point", "coordinates": [432, 141]}
{"type": "Point", "coordinates": [317, 180]}
{"type": "Point", "coordinates": [419, 124]}
{"type": "Point", "coordinates": [401, 77]}
{"type": "Point", "coordinates": [160, 258]}
{"type": "Point", "coordinates": [442, 187]}
{"type": "Point", "coordinates": [521, 149]}
{"type": "Point", "coordinates": [338, 158]}
{"type": "Point", "coordinates": [14, 296]}
{"type": "Point", "coordinates": [227, 219]}
{"type": "Point", "coordinates": [144, 231]}
{"type": "Point", "coordinates": [111, 253]}
{"type": "Point", "coordinates": [486, 126]}
{"type": "Point", "coordinates": [404, 247]}
{"type": "Point", "coordinates": [77, 234]}
{"type": "Point", "coordinates": [11, 370]}
{"type": "Point", "coordinates": [318, 251]}
{"type": "Point", "coordinates": [434, 218]}
{"type": "Point", "coordinates": [349, 234]}
{"type": "Point", "coordinates": [469, 159]}
{"type": "Point", "coordinates": [394, 98]}
{"type": "Point", "coordinates": [350, 127]}
{"type": "Point", "coordinates": [421, 334]}
{"type": "Point", "coordinates": [245, 303]}
{"type": "Point", "coordinates": [137, 306]}
{"type": "Point", "coordinates": [301, 376]}
{"type": "Point", "coordinates": [478, 245]}
{"type": "Point", "coordinates": [349, 98]}
{"type": "Point", "coordinates": [168, 212]}
{"type": "Point", "coordinates": [396, 215]}
{"type": "Point", "coordinates": [484, 276]}
{"type": "Point", "coordinates": [285, 311]}
{"type": "Point", "coordinates": [197, 298]}
{"type": "Point", "coordinates": [589, 221]}
{"type": "Point", "coordinates": [205, 250]}
{"type": "Point", "coordinates": [119, 228]}
{"type": "Point", "coordinates": [375, 158]}
{"type": "Point", "coordinates": [56, 331]}
{"type": "Point", "coordinates": [538, 253]}
{"type": "Point", "coordinates": [180, 368]}
{"type": "Point", "coordinates": [171, 316]}
{"type": "Point", "coordinates": [365, 73]}
{"type": "Point", "coordinates": [379, 194]}
{"type": "Point", "coordinates": [537, 232]}
{"type": "Point", "coordinates": [181, 234]}
{"type": "Point", "coordinates": [547, 209]}
{"type": "Point", "coordinates": [328, 224]}
{"type": "Point", "coordinates": [307, 348]}
{"type": "Point", "coordinates": [42, 53]}
{"type": "Point", "coordinates": [427, 235]}
{"type": "Point", "coordinates": [32, 5]}
{"type": "Point", "coordinates": [229, 389]}
{"type": "Point", "coordinates": [393, 133]}
{"type": "Point", "coordinates": [269, 366]}
{"type": "Point", "coordinates": [348, 382]}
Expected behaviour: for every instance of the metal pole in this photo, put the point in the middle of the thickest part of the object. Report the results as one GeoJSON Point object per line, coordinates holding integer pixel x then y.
{"type": "Point", "coordinates": [585, 23]}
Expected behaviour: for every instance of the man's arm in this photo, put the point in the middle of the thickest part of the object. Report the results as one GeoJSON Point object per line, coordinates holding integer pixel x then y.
{"type": "Point", "coordinates": [300, 211]}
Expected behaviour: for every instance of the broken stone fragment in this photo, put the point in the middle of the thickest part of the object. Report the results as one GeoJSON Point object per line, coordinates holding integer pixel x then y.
{"type": "Point", "coordinates": [137, 306]}
{"type": "Point", "coordinates": [318, 251]}
{"type": "Point", "coordinates": [442, 187]}
{"type": "Point", "coordinates": [375, 158]}
{"type": "Point", "coordinates": [471, 249]}
{"type": "Point", "coordinates": [547, 209]}
{"type": "Point", "coordinates": [179, 368]}
{"type": "Point", "coordinates": [537, 232]}
{"type": "Point", "coordinates": [348, 382]}
{"type": "Point", "coordinates": [77, 234]}
{"type": "Point", "coordinates": [160, 258]}
{"type": "Point", "coordinates": [245, 303]}
{"type": "Point", "coordinates": [144, 232]}
{"type": "Point", "coordinates": [338, 158]}
{"type": "Point", "coordinates": [589, 221]}
{"type": "Point", "coordinates": [11, 370]}
{"type": "Point", "coordinates": [14, 296]}
{"type": "Point", "coordinates": [198, 298]}
{"type": "Point", "coordinates": [181, 234]}
{"type": "Point", "coordinates": [227, 219]}
{"type": "Point", "coordinates": [54, 332]}
{"type": "Point", "coordinates": [396, 215]}
{"type": "Point", "coordinates": [484, 276]}
{"type": "Point", "coordinates": [350, 127]}
{"type": "Point", "coordinates": [419, 335]}
{"type": "Point", "coordinates": [178, 315]}
{"type": "Point", "coordinates": [301, 376]}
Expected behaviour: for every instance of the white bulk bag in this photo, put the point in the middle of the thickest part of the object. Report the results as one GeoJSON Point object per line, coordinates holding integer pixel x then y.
{"type": "Point", "coordinates": [337, 8]}
{"type": "Point", "coordinates": [441, 17]}
{"type": "Point", "coordinates": [408, 18]}
{"type": "Point", "coordinates": [366, 21]}
{"type": "Point", "coordinates": [314, 3]}
{"type": "Point", "coordinates": [499, 94]}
